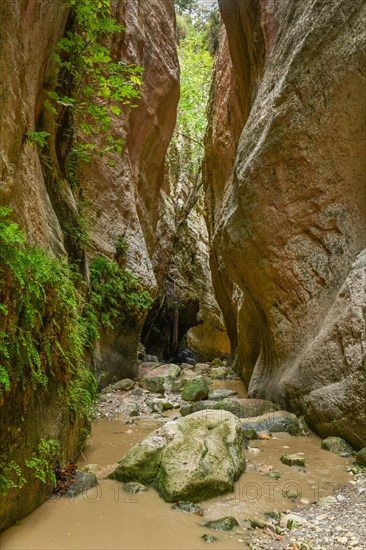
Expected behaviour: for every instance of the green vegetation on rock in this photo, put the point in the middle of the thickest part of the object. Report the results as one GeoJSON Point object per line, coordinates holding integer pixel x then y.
{"type": "Point", "coordinates": [41, 330]}
{"type": "Point", "coordinates": [88, 83]}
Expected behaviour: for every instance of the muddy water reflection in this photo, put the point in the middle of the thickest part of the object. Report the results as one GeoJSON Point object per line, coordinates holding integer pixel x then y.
{"type": "Point", "coordinates": [107, 518]}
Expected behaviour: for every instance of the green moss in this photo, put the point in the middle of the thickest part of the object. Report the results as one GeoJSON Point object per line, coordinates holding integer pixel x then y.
{"type": "Point", "coordinates": [116, 294]}
{"type": "Point", "coordinates": [41, 329]}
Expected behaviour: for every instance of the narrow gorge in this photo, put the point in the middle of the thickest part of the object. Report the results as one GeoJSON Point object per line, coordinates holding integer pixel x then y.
{"type": "Point", "coordinates": [182, 273]}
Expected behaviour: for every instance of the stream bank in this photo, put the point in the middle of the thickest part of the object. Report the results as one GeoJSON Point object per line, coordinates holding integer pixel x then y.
{"type": "Point", "coordinates": [106, 517]}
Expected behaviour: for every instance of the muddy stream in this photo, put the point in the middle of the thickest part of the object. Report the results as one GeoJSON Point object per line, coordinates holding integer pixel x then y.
{"type": "Point", "coordinates": [105, 517]}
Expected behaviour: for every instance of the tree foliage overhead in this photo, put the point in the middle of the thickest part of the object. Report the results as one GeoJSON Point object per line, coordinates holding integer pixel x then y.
{"type": "Point", "coordinates": [90, 84]}
{"type": "Point", "coordinates": [195, 28]}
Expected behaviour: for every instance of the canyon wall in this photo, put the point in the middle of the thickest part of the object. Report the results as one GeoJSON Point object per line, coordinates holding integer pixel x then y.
{"type": "Point", "coordinates": [119, 200]}
{"type": "Point", "coordinates": [286, 197]}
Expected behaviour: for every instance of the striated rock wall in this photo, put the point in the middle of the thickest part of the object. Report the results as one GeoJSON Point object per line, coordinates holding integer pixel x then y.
{"type": "Point", "coordinates": [285, 176]}
{"type": "Point", "coordinates": [117, 201]}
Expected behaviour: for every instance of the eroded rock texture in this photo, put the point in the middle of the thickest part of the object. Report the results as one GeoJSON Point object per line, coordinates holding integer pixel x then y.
{"type": "Point", "coordinates": [118, 201]}
{"type": "Point", "coordinates": [285, 176]}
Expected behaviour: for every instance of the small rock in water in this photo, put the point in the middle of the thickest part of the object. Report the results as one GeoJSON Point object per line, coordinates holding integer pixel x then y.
{"type": "Point", "coordinates": [293, 460]}
{"type": "Point", "coordinates": [254, 450]}
{"type": "Point", "coordinates": [83, 481]}
{"type": "Point", "coordinates": [188, 507]}
{"type": "Point", "coordinates": [274, 474]}
{"type": "Point", "coordinates": [208, 538]}
{"type": "Point", "coordinates": [223, 524]}
{"type": "Point", "coordinates": [133, 487]}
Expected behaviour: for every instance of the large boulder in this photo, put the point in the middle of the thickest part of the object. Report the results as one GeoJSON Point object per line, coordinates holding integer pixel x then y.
{"type": "Point", "coordinates": [191, 459]}
{"type": "Point", "coordinates": [242, 408]}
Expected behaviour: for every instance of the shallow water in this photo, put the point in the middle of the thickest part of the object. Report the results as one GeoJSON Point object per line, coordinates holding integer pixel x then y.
{"type": "Point", "coordinates": [106, 518]}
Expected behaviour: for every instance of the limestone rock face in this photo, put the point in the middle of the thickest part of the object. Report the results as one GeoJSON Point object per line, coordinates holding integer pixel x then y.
{"type": "Point", "coordinates": [119, 201]}
{"type": "Point", "coordinates": [284, 172]}
{"type": "Point", "coordinates": [194, 458]}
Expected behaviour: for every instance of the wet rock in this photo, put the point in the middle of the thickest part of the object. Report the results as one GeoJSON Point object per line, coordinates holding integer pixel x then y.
{"type": "Point", "coordinates": [133, 487]}
{"type": "Point", "coordinates": [188, 507]}
{"type": "Point", "coordinates": [195, 389]}
{"type": "Point", "coordinates": [190, 459]}
{"type": "Point", "coordinates": [274, 474]}
{"type": "Point", "coordinates": [278, 421]}
{"type": "Point", "coordinates": [275, 516]}
{"type": "Point", "coordinates": [257, 524]}
{"type": "Point", "coordinates": [293, 460]}
{"type": "Point", "coordinates": [218, 395]}
{"type": "Point", "coordinates": [223, 524]}
{"type": "Point", "coordinates": [123, 385]}
{"type": "Point", "coordinates": [208, 538]}
{"type": "Point", "coordinates": [361, 457]}
{"type": "Point", "coordinates": [242, 408]}
{"type": "Point", "coordinates": [83, 482]}
{"type": "Point", "coordinates": [337, 445]}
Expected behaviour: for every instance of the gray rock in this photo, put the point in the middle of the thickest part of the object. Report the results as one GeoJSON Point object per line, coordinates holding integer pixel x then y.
{"type": "Point", "coordinates": [133, 487]}
{"type": "Point", "coordinates": [155, 384]}
{"type": "Point", "coordinates": [279, 421]}
{"type": "Point", "coordinates": [131, 409]}
{"type": "Point", "coordinates": [208, 538]}
{"type": "Point", "coordinates": [190, 459]}
{"type": "Point", "coordinates": [151, 359]}
{"type": "Point", "coordinates": [223, 524]}
{"type": "Point", "coordinates": [188, 507]}
{"type": "Point", "coordinates": [124, 385]}
{"type": "Point", "coordinates": [337, 445]}
{"type": "Point", "coordinates": [83, 482]}
{"type": "Point", "coordinates": [216, 395]}
{"type": "Point", "coordinates": [242, 408]}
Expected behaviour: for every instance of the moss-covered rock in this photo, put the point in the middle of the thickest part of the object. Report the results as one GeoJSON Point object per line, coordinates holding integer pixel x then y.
{"type": "Point", "coordinates": [190, 459]}
{"type": "Point", "coordinates": [361, 457]}
{"type": "Point", "coordinates": [293, 459]}
{"type": "Point", "coordinates": [223, 524]}
{"type": "Point", "coordinates": [195, 389]}
{"type": "Point", "coordinates": [337, 445]}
